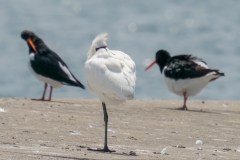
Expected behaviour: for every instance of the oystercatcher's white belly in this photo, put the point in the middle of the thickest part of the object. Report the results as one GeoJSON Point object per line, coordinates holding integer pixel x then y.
{"type": "Point", "coordinates": [190, 86]}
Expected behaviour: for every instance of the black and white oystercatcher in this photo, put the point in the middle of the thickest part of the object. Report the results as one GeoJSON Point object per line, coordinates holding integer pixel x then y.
{"type": "Point", "coordinates": [47, 66]}
{"type": "Point", "coordinates": [184, 75]}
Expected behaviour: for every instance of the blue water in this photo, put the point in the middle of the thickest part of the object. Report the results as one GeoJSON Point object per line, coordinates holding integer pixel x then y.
{"type": "Point", "coordinates": [207, 29]}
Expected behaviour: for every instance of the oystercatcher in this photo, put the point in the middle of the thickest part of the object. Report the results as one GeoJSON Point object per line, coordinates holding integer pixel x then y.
{"type": "Point", "coordinates": [111, 75]}
{"type": "Point", "coordinates": [184, 75]}
{"type": "Point", "coordinates": [47, 66]}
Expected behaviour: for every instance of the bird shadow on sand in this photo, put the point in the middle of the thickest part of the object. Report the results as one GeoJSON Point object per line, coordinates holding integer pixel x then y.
{"type": "Point", "coordinates": [115, 153]}
{"type": "Point", "coordinates": [197, 111]}
{"type": "Point", "coordinates": [52, 101]}
{"type": "Point", "coordinates": [50, 156]}
{"type": "Point", "coordinates": [230, 112]}
{"type": "Point", "coordinates": [64, 157]}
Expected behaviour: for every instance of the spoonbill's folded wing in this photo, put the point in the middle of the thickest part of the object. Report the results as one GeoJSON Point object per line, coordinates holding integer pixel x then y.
{"type": "Point", "coordinates": [113, 75]}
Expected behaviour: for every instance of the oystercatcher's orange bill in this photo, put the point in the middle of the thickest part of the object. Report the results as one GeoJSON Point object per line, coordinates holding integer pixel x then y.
{"type": "Point", "coordinates": [150, 65]}
{"type": "Point", "coordinates": [31, 44]}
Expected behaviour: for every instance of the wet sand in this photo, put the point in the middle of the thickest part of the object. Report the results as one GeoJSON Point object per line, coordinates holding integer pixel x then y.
{"type": "Point", "coordinates": [139, 129]}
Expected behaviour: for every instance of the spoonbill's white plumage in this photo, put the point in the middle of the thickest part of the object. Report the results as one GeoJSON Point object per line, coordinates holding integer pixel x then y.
{"type": "Point", "coordinates": [111, 76]}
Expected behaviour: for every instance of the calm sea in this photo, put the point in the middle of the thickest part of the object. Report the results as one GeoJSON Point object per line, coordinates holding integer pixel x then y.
{"type": "Point", "coordinates": [207, 29]}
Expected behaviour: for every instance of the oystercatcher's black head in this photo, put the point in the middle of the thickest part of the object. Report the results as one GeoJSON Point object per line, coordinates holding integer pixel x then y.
{"type": "Point", "coordinates": [35, 44]}
{"type": "Point", "coordinates": [161, 57]}
{"type": "Point", "coordinates": [27, 34]}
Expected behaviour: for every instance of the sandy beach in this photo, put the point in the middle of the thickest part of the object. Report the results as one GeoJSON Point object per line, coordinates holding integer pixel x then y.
{"type": "Point", "coordinates": [139, 129]}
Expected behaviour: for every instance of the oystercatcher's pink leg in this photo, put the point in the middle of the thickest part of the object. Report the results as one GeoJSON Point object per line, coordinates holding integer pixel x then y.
{"type": "Point", "coordinates": [50, 94]}
{"type": "Point", "coordinates": [43, 96]}
{"type": "Point", "coordinates": [184, 107]}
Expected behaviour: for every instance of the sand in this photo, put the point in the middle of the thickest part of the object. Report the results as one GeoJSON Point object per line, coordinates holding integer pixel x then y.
{"type": "Point", "coordinates": [139, 129]}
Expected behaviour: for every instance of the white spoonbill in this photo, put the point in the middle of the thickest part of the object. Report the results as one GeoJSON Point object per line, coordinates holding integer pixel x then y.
{"type": "Point", "coordinates": [111, 76]}
{"type": "Point", "coordinates": [184, 75]}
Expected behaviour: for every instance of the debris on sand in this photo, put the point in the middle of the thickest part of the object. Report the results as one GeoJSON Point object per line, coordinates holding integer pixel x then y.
{"type": "Point", "coordinates": [2, 110]}
{"type": "Point", "coordinates": [238, 149]}
{"type": "Point", "coordinates": [132, 138]}
{"type": "Point", "coordinates": [132, 153]}
{"type": "Point", "coordinates": [199, 142]}
{"type": "Point", "coordinates": [227, 149]}
{"type": "Point", "coordinates": [180, 146]}
{"type": "Point", "coordinates": [163, 152]}
{"type": "Point", "coordinates": [224, 105]}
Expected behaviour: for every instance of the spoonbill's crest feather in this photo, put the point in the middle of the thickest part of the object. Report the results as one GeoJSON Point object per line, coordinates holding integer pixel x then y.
{"type": "Point", "coordinates": [99, 41]}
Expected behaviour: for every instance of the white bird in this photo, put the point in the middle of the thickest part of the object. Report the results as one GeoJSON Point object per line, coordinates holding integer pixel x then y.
{"type": "Point", "coordinates": [184, 75]}
{"type": "Point", "coordinates": [111, 76]}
